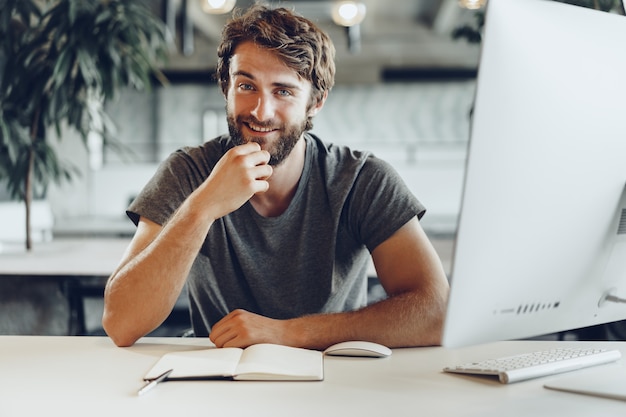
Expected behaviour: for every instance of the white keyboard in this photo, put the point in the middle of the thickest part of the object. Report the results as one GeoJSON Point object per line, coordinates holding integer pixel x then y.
{"type": "Point", "coordinates": [537, 364]}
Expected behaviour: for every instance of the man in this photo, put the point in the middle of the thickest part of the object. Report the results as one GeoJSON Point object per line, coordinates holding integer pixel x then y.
{"type": "Point", "coordinates": [271, 227]}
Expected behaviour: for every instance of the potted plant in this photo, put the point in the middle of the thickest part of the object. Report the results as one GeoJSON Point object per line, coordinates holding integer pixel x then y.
{"type": "Point", "coordinates": [58, 63]}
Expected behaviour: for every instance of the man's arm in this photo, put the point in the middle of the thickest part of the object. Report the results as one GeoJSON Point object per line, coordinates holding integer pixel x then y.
{"type": "Point", "coordinates": [410, 271]}
{"type": "Point", "coordinates": [142, 291]}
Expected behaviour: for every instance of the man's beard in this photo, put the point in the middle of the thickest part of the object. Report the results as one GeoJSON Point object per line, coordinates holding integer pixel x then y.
{"type": "Point", "coordinates": [280, 149]}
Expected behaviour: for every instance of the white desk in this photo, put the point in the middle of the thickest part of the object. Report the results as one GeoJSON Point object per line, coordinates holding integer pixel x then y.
{"type": "Point", "coordinates": [79, 376]}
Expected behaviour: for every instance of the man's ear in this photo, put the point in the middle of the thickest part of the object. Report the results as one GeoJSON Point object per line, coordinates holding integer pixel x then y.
{"type": "Point", "coordinates": [318, 106]}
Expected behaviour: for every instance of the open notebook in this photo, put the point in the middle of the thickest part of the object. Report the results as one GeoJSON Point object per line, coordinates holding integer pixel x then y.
{"type": "Point", "coordinates": [262, 362]}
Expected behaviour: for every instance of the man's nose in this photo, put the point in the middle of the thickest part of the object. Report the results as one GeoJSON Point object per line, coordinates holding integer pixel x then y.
{"type": "Point", "coordinates": [264, 109]}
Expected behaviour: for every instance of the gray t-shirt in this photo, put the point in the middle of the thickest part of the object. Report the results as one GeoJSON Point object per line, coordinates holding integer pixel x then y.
{"type": "Point", "coordinates": [311, 259]}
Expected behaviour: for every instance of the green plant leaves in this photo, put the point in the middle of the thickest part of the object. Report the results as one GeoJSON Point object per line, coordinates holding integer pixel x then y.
{"type": "Point", "coordinates": [54, 63]}
{"type": "Point", "coordinates": [52, 60]}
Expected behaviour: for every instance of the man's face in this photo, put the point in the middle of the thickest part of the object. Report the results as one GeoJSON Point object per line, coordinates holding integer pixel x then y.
{"type": "Point", "coordinates": [266, 102]}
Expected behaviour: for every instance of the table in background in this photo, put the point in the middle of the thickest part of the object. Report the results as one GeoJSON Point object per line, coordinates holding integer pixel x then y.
{"type": "Point", "coordinates": [80, 266]}
{"type": "Point", "coordinates": [78, 376]}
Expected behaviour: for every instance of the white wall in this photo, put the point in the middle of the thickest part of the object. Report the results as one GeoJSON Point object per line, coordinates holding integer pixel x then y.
{"type": "Point", "coordinates": [13, 222]}
{"type": "Point", "coordinates": [421, 128]}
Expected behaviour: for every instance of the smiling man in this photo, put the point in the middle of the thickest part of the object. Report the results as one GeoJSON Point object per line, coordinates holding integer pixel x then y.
{"type": "Point", "coordinates": [271, 227]}
{"type": "Point", "coordinates": [280, 110]}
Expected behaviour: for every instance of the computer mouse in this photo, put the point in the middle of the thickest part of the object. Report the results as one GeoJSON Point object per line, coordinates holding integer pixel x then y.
{"type": "Point", "coordinates": [358, 348]}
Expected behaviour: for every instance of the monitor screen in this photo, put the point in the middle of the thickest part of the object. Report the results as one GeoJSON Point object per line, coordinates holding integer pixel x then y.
{"type": "Point", "coordinates": [541, 234]}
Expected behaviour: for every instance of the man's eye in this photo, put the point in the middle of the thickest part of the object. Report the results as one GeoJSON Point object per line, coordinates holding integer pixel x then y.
{"type": "Point", "coordinates": [245, 87]}
{"type": "Point", "coordinates": [284, 93]}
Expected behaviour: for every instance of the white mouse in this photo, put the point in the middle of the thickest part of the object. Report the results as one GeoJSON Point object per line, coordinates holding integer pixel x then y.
{"type": "Point", "coordinates": [358, 348]}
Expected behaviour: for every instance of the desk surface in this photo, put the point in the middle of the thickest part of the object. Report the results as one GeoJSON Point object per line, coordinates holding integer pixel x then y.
{"type": "Point", "coordinates": [78, 376]}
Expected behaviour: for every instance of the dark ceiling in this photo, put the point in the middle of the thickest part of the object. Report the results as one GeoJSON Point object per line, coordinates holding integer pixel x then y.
{"type": "Point", "coordinates": [399, 39]}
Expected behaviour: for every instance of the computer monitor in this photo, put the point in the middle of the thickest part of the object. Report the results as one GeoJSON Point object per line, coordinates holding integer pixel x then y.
{"type": "Point", "coordinates": [541, 239]}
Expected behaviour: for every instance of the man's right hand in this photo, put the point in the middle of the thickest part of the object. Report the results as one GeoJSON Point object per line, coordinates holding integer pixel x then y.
{"type": "Point", "coordinates": [242, 172]}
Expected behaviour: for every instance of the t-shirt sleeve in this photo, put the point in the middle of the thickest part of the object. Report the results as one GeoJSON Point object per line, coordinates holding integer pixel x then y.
{"type": "Point", "coordinates": [380, 203]}
{"type": "Point", "coordinates": [175, 179]}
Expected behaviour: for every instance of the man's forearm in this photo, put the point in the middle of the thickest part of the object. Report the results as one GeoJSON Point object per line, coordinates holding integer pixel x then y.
{"type": "Point", "coordinates": [142, 292]}
{"type": "Point", "coordinates": [407, 319]}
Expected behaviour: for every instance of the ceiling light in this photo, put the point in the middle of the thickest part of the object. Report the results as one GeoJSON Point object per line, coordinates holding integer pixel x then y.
{"type": "Point", "coordinates": [472, 4]}
{"type": "Point", "coordinates": [217, 6]}
{"type": "Point", "coordinates": [348, 13]}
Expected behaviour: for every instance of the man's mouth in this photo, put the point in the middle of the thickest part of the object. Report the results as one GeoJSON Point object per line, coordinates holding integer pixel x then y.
{"type": "Point", "coordinates": [259, 129]}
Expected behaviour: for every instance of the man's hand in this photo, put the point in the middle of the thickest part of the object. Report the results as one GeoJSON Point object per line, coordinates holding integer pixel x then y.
{"type": "Point", "coordinates": [240, 328]}
{"type": "Point", "coordinates": [242, 172]}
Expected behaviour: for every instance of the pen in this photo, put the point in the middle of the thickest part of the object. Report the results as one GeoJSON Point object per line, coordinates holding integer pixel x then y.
{"type": "Point", "coordinates": [153, 383]}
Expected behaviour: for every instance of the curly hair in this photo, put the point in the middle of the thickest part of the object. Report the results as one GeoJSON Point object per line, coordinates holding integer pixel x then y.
{"type": "Point", "coordinates": [297, 41]}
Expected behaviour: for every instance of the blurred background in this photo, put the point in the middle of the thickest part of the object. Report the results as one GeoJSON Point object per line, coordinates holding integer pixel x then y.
{"type": "Point", "coordinates": [406, 73]}
{"type": "Point", "coordinates": [404, 90]}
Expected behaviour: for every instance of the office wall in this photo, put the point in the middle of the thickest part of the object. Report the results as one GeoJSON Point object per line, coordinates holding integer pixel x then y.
{"type": "Point", "coordinates": [421, 128]}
